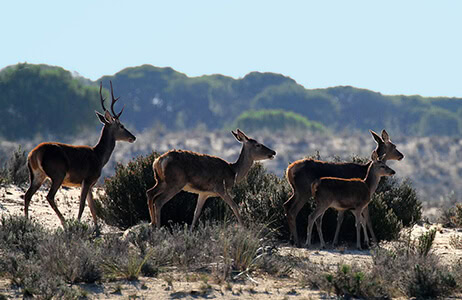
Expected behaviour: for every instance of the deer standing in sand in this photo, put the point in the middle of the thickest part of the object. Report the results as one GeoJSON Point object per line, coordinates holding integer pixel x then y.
{"type": "Point", "coordinates": [202, 174]}
{"type": "Point", "coordinates": [302, 173]}
{"type": "Point", "coordinates": [345, 194]}
{"type": "Point", "coordinates": [75, 166]}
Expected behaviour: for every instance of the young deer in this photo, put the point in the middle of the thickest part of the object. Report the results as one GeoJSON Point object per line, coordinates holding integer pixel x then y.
{"type": "Point", "coordinates": [205, 175]}
{"type": "Point", "coordinates": [343, 194]}
{"type": "Point", "coordinates": [71, 165]}
{"type": "Point", "coordinates": [302, 173]}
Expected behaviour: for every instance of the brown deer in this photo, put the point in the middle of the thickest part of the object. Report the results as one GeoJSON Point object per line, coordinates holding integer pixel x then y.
{"type": "Point", "coordinates": [302, 173]}
{"type": "Point", "coordinates": [202, 174]}
{"type": "Point", "coordinates": [74, 166]}
{"type": "Point", "coordinates": [344, 194]}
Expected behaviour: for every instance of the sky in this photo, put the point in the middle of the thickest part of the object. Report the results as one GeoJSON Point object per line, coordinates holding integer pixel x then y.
{"type": "Point", "coordinates": [392, 47]}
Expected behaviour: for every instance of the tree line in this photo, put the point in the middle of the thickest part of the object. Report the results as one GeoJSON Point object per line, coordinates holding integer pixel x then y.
{"type": "Point", "coordinates": [41, 100]}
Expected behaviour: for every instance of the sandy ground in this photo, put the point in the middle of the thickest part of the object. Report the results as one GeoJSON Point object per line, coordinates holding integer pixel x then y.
{"type": "Point", "coordinates": [176, 285]}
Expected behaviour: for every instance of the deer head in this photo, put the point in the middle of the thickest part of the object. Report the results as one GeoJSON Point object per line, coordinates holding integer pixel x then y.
{"type": "Point", "coordinates": [386, 150]}
{"type": "Point", "coordinates": [379, 167]}
{"type": "Point", "coordinates": [112, 122]}
{"type": "Point", "coordinates": [256, 150]}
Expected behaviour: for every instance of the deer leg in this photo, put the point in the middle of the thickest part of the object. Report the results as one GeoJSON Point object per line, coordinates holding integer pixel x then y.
{"type": "Point", "coordinates": [363, 225]}
{"type": "Point", "coordinates": [160, 200]}
{"type": "Point", "coordinates": [200, 203]}
{"type": "Point", "coordinates": [318, 211]}
{"type": "Point", "coordinates": [358, 218]}
{"type": "Point", "coordinates": [36, 182]}
{"type": "Point", "coordinates": [83, 196]}
{"type": "Point", "coordinates": [319, 228]}
{"type": "Point", "coordinates": [292, 213]}
{"type": "Point", "coordinates": [367, 217]}
{"type": "Point", "coordinates": [227, 198]}
{"type": "Point", "coordinates": [340, 216]}
{"type": "Point", "coordinates": [150, 195]}
{"type": "Point", "coordinates": [55, 184]}
{"type": "Point", "coordinates": [91, 205]}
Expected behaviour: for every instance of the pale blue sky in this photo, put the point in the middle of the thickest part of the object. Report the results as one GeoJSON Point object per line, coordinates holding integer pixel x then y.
{"type": "Point", "coordinates": [393, 47]}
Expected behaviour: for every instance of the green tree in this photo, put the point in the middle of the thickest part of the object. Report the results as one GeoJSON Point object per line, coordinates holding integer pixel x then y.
{"type": "Point", "coordinates": [276, 120]}
{"type": "Point", "coordinates": [43, 100]}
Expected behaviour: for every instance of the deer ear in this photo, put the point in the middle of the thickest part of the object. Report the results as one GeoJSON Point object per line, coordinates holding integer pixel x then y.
{"type": "Point", "coordinates": [374, 156]}
{"type": "Point", "coordinates": [376, 137]}
{"type": "Point", "coordinates": [242, 135]}
{"type": "Point", "coordinates": [236, 135]}
{"type": "Point", "coordinates": [108, 117]}
{"type": "Point", "coordinates": [385, 136]}
{"type": "Point", "coordinates": [101, 118]}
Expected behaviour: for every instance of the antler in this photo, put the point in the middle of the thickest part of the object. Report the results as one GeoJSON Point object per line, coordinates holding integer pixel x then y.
{"type": "Point", "coordinates": [113, 102]}
{"type": "Point", "coordinates": [101, 95]}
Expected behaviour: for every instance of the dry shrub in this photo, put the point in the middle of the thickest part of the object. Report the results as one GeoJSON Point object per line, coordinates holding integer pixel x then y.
{"type": "Point", "coordinates": [403, 269]}
{"type": "Point", "coordinates": [14, 171]}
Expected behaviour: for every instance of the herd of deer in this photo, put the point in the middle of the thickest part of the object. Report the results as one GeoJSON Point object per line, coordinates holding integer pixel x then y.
{"type": "Point", "coordinates": [343, 186]}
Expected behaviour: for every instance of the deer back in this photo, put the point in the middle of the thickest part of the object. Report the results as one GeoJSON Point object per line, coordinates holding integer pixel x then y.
{"type": "Point", "coordinates": [305, 171]}
{"type": "Point", "coordinates": [200, 172]}
{"type": "Point", "coordinates": [341, 193]}
{"type": "Point", "coordinates": [78, 163]}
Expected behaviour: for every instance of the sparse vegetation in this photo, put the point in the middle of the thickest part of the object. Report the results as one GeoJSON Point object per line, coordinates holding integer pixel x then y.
{"type": "Point", "coordinates": [74, 254]}
{"type": "Point", "coordinates": [404, 269]}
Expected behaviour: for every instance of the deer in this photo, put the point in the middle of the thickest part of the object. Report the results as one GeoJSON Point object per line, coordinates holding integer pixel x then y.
{"type": "Point", "coordinates": [202, 174]}
{"type": "Point", "coordinates": [76, 166]}
{"type": "Point", "coordinates": [302, 173]}
{"type": "Point", "coordinates": [344, 194]}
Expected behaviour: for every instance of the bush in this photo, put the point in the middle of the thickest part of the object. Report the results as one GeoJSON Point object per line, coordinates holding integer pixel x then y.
{"type": "Point", "coordinates": [401, 198]}
{"type": "Point", "coordinates": [260, 196]}
{"type": "Point", "coordinates": [223, 249]}
{"type": "Point", "coordinates": [15, 169]}
{"type": "Point", "coordinates": [20, 235]}
{"type": "Point", "coordinates": [452, 217]}
{"type": "Point", "coordinates": [70, 254]}
{"type": "Point", "coordinates": [403, 269]}
{"type": "Point", "coordinates": [413, 270]}
{"type": "Point", "coordinates": [41, 262]}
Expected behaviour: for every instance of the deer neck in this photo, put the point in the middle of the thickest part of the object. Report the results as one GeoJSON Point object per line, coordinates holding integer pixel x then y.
{"type": "Point", "coordinates": [372, 180]}
{"type": "Point", "coordinates": [105, 145]}
{"type": "Point", "coordinates": [242, 166]}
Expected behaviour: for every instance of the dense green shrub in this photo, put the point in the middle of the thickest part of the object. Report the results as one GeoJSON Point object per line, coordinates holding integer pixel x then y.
{"type": "Point", "coordinates": [260, 196]}
{"type": "Point", "coordinates": [402, 198]}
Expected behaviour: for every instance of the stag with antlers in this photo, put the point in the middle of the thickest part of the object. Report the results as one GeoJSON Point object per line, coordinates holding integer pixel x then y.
{"type": "Point", "coordinates": [76, 166]}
